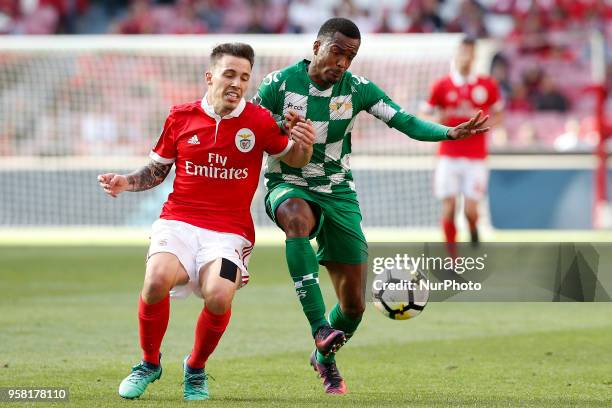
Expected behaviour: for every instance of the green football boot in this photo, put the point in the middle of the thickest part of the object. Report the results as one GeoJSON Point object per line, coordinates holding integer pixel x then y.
{"type": "Point", "coordinates": [195, 383]}
{"type": "Point", "coordinates": [135, 384]}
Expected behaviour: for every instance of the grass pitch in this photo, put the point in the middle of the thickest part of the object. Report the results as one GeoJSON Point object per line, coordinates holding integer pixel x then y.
{"type": "Point", "coordinates": [68, 319]}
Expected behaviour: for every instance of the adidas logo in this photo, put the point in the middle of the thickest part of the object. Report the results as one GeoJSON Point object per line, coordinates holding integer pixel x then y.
{"type": "Point", "coordinates": [194, 140]}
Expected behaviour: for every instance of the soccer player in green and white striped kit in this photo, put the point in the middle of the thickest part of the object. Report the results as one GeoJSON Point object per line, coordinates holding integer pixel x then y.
{"type": "Point", "coordinates": [319, 200]}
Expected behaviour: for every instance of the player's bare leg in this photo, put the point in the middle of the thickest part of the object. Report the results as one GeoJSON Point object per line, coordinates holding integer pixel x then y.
{"type": "Point", "coordinates": [448, 225]}
{"type": "Point", "coordinates": [163, 272]}
{"type": "Point", "coordinates": [219, 280]}
{"type": "Point", "coordinates": [471, 214]}
{"type": "Point", "coordinates": [349, 283]}
{"type": "Point", "coordinates": [298, 220]}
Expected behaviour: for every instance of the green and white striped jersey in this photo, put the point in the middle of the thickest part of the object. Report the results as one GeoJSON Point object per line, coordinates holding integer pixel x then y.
{"type": "Point", "coordinates": [333, 112]}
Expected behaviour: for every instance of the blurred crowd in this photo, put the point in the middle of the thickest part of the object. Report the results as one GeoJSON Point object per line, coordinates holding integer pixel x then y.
{"type": "Point", "coordinates": [480, 18]}
{"type": "Point", "coordinates": [543, 65]}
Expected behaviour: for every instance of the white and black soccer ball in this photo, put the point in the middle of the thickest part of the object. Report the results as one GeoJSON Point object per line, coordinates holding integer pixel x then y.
{"type": "Point", "coordinates": [400, 294]}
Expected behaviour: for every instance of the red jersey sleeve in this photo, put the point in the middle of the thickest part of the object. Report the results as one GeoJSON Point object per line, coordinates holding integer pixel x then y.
{"type": "Point", "coordinates": [495, 100]}
{"type": "Point", "coordinates": [276, 143]}
{"type": "Point", "coordinates": [165, 150]}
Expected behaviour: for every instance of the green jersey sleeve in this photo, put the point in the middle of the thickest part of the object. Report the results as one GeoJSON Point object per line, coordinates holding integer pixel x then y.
{"type": "Point", "coordinates": [376, 102]}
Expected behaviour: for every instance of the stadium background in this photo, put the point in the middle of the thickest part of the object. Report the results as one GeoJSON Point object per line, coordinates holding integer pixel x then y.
{"type": "Point", "coordinates": [84, 88]}
{"type": "Point", "coordinates": [74, 106]}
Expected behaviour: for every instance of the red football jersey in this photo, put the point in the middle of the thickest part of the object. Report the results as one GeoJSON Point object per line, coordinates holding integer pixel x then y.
{"type": "Point", "coordinates": [458, 99]}
{"type": "Point", "coordinates": [218, 163]}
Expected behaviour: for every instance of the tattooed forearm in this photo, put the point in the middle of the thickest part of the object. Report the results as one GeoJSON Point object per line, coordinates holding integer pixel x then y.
{"type": "Point", "coordinates": [148, 176]}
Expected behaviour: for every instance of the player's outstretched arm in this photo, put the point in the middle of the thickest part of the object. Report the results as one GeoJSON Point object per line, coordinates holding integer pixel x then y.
{"type": "Point", "coordinates": [472, 127]}
{"type": "Point", "coordinates": [376, 102]}
{"type": "Point", "coordinates": [142, 179]}
{"type": "Point", "coordinates": [303, 136]}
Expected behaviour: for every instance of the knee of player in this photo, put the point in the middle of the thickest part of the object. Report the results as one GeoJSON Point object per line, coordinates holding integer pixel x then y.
{"type": "Point", "coordinates": [218, 302]}
{"type": "Point", "coordinates": [155, 289]}
{"type": "Point", "coordinates": [296, 218]}
{"type": "Point", "coordinates": [471, 214]}
{"type": "Point", "coordinates": [156, 284]}
{"type": "Point", "coordinates": [448, 213]}
{"type": "Point", "coordinates": [297, 225]}
{"type": "Point", "coordinates": [219, 285]}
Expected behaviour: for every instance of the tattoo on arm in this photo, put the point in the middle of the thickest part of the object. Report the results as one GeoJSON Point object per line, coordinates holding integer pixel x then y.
{"type": "Point", "coordinates": [148, 176]}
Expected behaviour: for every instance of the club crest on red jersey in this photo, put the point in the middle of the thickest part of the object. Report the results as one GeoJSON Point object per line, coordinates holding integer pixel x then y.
{"type": "Point", "coordinates": [480, 94]}
{"type": "Point", "coordinates": [245, 140]}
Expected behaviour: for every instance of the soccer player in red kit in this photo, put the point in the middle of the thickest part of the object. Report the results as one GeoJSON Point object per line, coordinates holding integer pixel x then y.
{"type": "Point", "coordinates": [203, 239]}
{"type": "Point", "coordinates": [461, 167]}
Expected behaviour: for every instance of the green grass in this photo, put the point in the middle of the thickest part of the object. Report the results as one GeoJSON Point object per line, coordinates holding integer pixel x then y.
{"type": "Point", "coordinates": [68, 318]}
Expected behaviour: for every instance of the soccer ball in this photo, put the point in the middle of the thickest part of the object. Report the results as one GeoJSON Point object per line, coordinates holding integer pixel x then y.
{"type": "Point", "coordinates": [400, 294]}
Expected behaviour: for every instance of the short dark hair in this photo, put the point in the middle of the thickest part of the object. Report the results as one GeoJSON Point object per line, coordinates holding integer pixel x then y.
{"type": "Point", "coordinates": [339, 25]}
{"type": "Point", "coordinates": [239, 50]}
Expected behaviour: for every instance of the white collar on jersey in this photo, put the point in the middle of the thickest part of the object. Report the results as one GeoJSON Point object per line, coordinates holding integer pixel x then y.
{"type": "Point", "coordinates": [460, 80]}
{"type": "Point", "coordinates": [211, 112]}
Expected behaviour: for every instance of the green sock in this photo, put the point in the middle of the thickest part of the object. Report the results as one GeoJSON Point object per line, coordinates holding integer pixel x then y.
{"type": "Point", "coordinates": [304, 270]}
{"type": "Point", "coordinates": [340, 321]}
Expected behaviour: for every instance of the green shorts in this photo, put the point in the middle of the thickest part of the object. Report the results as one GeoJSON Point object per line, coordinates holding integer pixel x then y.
{"type": "Point", "coordinates": [338, 230]}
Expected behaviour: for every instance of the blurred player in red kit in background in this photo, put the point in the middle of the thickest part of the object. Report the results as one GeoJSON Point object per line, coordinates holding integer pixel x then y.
{"type": "Point", "coordinates": [461, 167]}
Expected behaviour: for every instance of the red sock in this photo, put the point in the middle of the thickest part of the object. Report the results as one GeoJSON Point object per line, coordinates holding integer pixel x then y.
{"type": "Point", "coordinates": [208, 332]}
{"type": "Point", "coordinates": [450, 233]}
{"type": "Point", "coordinates": [153, 322]}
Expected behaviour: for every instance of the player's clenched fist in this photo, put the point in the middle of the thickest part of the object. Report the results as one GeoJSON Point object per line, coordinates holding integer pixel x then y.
{"type": "Point", "coordinates": [303, 133]}
{"type": "Point", "coordinates": [113, 184]}
{"type": "Point", "coordinates": [291, 119]}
